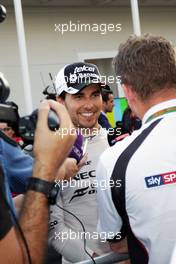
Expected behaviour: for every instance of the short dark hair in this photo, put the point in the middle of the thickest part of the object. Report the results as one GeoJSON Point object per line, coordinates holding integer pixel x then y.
{"type": "Point", "coordinates": [62, 95]}
{"type": "Point", "coordinates": [147, 63]}
{"type": "Point", "coordinates": [105, 93]}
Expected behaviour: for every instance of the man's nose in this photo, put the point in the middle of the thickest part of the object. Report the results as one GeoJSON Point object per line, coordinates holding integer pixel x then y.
{"type": "Point", "coordinates": [88, 104]}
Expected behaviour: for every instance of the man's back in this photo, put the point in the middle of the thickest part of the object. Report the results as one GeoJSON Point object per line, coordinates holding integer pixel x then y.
{"type": "Point", "coordinates": [149, 190]}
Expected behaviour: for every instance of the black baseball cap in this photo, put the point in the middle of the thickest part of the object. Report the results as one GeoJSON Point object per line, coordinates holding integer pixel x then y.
{"type": "Point", "coordinates": [74, 77]}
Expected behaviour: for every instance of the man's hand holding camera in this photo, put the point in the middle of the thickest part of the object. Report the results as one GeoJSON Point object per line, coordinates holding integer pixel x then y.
{"type": "Point", "coordinates": [51, 148]}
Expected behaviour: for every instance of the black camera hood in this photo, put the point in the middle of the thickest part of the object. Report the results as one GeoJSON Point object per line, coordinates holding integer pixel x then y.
{"type": "Point", "coordinates": [8, 114]}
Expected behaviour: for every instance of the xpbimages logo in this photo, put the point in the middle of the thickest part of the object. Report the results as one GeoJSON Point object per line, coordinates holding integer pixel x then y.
{"type": "Point", "coordinates": [102, 28]}
{"type": "Point", "coordinates": [161, 179]}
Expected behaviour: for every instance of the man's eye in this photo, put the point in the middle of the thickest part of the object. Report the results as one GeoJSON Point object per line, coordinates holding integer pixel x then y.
{"type": "Point", "coordinates": [79, 96]}
{"type": "Point", "coordinates": [96, 94]}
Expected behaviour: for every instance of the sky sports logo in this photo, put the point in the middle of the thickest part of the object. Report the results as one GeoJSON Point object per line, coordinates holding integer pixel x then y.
{"type": "Point", "coordinates": [162, 179]}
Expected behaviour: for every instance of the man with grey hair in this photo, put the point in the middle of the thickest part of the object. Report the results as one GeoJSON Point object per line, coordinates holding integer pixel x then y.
{"type": "Point", "coordinates": [144, 207]}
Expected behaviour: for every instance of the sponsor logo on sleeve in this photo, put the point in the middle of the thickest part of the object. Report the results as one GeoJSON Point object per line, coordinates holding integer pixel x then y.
{"type": "Point", "coordinates": [161, 179]}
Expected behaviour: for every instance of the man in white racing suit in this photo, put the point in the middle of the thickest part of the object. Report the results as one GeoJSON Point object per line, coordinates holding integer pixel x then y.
{"type": "Point", "coordinates": [144, 207]}
{"type": "Point", "coordinates": [79, 89]}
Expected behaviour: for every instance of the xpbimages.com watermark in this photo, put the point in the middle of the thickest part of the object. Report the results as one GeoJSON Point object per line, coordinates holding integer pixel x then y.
{"type": "Point", "coordinates": [64, 131]}
{"type": "Point", "coordinates": [102, 28]}
{"type": "Point", "coordinates": [93, 183]}
{"type": "Point", "coordinates": [81, 78]}
{"type": "Point", "coordinates": [102, 236]}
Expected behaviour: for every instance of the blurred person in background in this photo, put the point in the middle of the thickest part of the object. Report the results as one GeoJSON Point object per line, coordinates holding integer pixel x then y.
{"type": "Point", "coordinates": [107, 106]}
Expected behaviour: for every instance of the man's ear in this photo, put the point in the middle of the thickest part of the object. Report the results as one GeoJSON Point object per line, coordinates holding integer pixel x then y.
{"type": "Point", "coordinates": [60, 100]}
{"type": "Point", "coordinates": [104, 104]}
{"type": "Point", "coordinates": [129, 93]}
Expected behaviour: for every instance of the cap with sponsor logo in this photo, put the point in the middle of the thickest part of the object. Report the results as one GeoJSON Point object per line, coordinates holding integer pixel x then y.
{"type": "Point", "coordinates": [74, 77]}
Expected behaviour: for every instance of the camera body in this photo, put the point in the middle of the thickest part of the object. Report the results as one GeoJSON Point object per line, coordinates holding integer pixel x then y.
{"type": "Point", "coordinates": [27, 125]}
{"type": "Point", "coordinates": [8, 111]}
